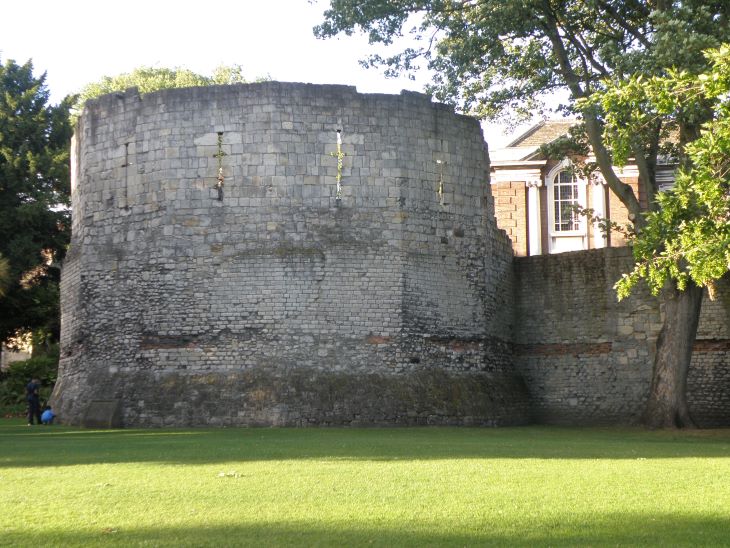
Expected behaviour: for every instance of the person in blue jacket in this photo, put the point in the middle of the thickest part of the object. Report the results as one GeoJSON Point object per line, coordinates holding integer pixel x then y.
{"type": "Point", "coordinates": [48, 415]}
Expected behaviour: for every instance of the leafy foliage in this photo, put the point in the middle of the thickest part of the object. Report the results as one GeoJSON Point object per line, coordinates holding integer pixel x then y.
{"type": "Point", "coordinates": [688, 237]}
{"type": "Point", "coordinates": [18, 374]}
{"type": "Point", "coordinates": [149, 79]}
{"type": "Point", "coordinates": [501, 57]}
{"type": "Point", "coordinates": [4, 274]}
{"type": "Point", "coordinates": [34, 199]}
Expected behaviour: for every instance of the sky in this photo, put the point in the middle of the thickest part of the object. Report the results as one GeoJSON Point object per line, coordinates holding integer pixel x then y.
{"type": "Point", "coordinates": [77, 42]}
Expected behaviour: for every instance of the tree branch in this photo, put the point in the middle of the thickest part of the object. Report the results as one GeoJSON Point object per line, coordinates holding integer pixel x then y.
{"type": "Point", "coordinates": [623, 24]}
{"type": "Point", "coordinates": [593, 127]}
{"type": "Point", "coordinates": [647, 172]}
{"type": "Point", "coordinates": [585, 52]}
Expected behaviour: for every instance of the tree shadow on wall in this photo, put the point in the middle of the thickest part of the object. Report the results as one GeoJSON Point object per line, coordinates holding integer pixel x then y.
{"type": "Point", "coordinates": [59, 446]}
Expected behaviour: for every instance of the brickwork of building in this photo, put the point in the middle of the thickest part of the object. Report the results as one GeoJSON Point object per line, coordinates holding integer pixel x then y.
{"type": "Point", "coordinates": [275, 298]}
{"type": "Point", "coordinates": [618, 213]}
{"type": "Point", "coordinates": [542, 216]}
{"type": "Point", "coordinates": [511, 210]}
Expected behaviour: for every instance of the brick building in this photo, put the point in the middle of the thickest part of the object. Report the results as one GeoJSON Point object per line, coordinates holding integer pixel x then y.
{"type": "Point", "coordinates": [534, 195]}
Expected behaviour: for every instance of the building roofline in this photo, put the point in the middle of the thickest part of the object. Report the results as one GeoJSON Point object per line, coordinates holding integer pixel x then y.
{"type": "Point", "coordinates": [518, 163]}
{"type": "Point", "coordinates": [525, 135]}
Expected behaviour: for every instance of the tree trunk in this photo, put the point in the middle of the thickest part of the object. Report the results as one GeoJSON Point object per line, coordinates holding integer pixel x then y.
{"type": "Point", "coordinates": [667, 405]}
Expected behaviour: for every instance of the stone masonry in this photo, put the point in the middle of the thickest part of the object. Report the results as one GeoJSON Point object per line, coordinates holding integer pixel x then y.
{"type": "Point", "coordinates": [587, 359]}
{"type": "Point", "coordinates": [218, 276]}
{"type": "Point", "coordinates": [277, 298]}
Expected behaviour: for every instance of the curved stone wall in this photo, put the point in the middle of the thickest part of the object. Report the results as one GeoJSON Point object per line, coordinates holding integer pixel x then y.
{"type": "Point", "coordinates": [277, 299]}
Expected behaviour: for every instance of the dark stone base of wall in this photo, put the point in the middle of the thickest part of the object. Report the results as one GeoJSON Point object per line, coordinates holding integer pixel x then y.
{"type": "Point", "coordinates": [708, 385]}
{"type": "Point", "coordinates": [313, 398]}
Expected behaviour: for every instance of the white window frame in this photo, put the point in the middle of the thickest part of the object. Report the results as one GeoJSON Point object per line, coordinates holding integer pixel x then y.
{"type": "Point", "coordinates": [582, 231]}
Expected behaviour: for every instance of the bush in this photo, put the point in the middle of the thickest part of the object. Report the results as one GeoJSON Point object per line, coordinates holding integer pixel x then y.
{"type": "Point", "coordinates": [15, 378]}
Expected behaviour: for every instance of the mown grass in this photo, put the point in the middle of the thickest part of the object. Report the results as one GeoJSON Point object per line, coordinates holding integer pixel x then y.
{"type": "Point", "coordinates": [351, 487]}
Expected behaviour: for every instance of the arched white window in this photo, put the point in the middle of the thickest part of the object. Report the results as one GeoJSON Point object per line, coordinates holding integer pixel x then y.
{"type": "Point", "coordinates": [565, 199]}
{"type": "Point", "coordinates": [567, 230]}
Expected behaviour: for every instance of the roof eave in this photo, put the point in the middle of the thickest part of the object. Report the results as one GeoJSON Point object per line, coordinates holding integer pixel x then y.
{"type": "Point", "coordinates": [518, 163]}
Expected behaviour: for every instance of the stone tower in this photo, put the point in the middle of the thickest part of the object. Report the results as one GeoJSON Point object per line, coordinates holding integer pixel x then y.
{"type": "Point", "coordinates": [283, 254]}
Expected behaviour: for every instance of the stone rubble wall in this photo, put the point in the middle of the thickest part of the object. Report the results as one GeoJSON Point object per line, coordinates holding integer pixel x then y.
{"type": "Point", "coordinates": [587, 359]}
{"type": "Point", "coordinates": [279, 304]}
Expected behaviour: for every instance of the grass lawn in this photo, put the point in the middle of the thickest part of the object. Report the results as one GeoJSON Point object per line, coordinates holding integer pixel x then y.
{"type": "Point", "coordinates": [527, 486]}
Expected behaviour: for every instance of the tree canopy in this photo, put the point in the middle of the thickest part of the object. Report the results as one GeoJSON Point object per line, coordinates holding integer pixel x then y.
{"type": "Point", "coordinates": [4, 275]}
{"type": "Point", "coordinates": [149, 79]}
{"type": "Point", "coordinates": [34, 199]}
{"type": "Point", "coordinates": [687, 238]}
{"type": "Point", "coordinates": [502, 58]}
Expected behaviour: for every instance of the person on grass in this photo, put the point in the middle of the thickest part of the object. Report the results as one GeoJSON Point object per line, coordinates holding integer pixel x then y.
{"type": "Point", "coordinates": [48, 415]}
{"type": "Point", "coordinates": [32, 396]}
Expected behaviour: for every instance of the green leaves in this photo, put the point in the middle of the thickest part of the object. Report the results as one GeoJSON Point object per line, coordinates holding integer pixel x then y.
{"type": "Point", "coordinates": [149, 79]}
{"type": "Point", "coordinates": [4, 275]}
{"type": "Point", "coordinates": [34, 190]}
{"type": "Point", "coordinates": [688, 237]}
{"type": "Point", "coordinates": [501, 58]}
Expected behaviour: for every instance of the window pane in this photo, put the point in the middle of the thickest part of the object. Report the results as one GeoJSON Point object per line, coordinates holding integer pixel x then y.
{"type": "Point", "coordinates": [565, 197]}
{"type": "Point", "coordinates": [566, 212]}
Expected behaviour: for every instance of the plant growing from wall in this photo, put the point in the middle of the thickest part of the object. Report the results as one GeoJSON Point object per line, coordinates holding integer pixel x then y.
{"type": "Point", "coordinates": [219, 156]}
{"type": "Point", "coordinates": [440, 190]}
{"type": "Point", "coordinates": [340, 155]}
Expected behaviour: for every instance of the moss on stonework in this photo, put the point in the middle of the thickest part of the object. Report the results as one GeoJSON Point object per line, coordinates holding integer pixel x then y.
{"type": "Point", "coordinates": [263, 397]}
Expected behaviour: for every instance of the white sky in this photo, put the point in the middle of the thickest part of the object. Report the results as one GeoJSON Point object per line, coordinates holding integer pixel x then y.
{"type": "Point", "coordinates": [77, 42]}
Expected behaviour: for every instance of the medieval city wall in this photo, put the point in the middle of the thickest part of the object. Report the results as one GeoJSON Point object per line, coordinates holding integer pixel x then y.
{"type": "Point", "coordinates": [278, 299]}
{"type": "Point", "coordinates": [587, 359]}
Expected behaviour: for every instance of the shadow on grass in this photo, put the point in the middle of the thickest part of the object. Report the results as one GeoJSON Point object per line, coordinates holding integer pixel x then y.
{"type": "Point", "coordinates": [613, 530]}
{"type": "Point", "coordinates": [23, 446]}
